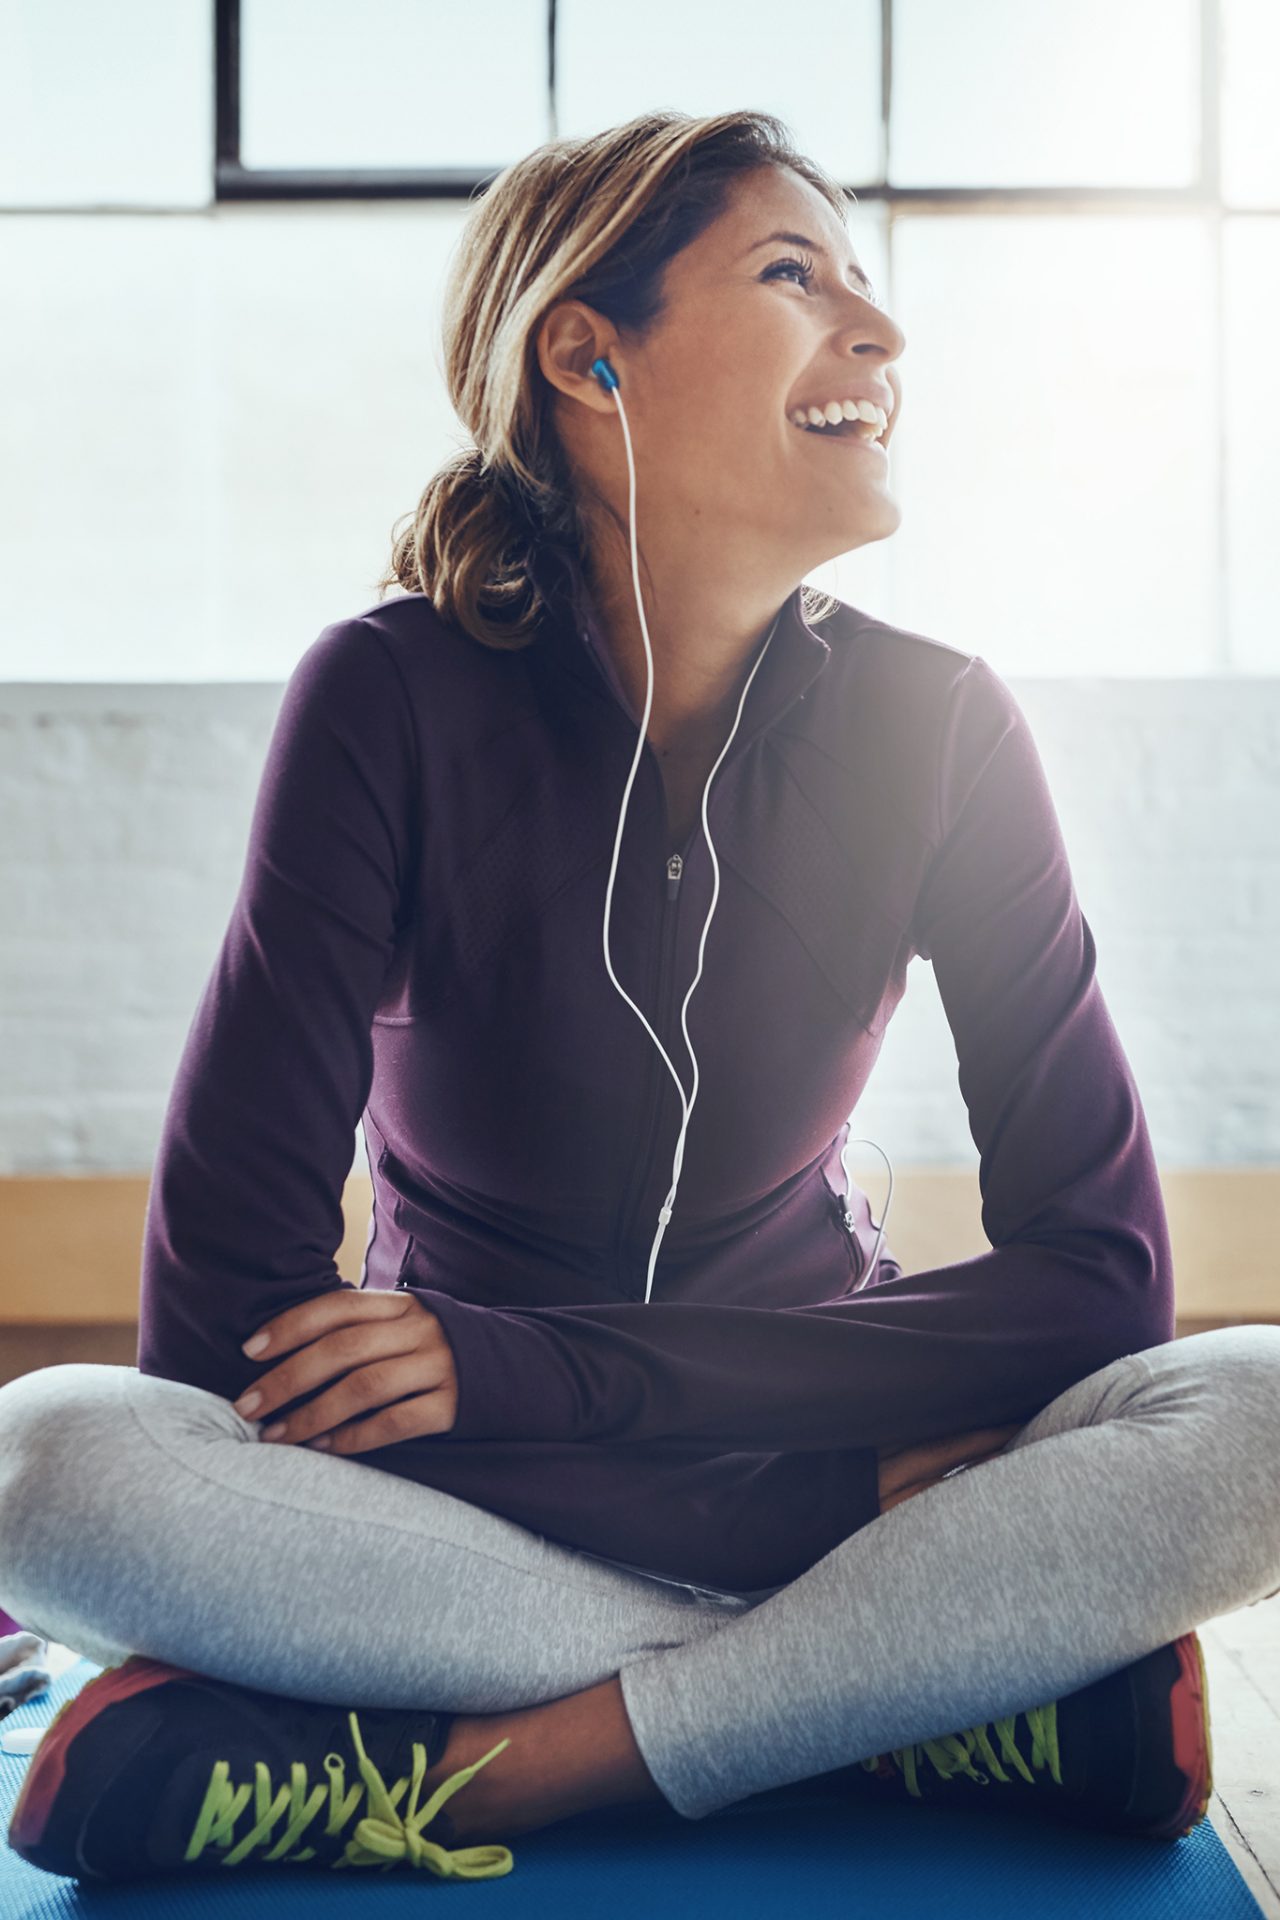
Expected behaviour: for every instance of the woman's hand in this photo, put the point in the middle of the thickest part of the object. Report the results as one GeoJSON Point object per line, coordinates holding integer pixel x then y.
{"type": "Point", "coordinates": [909, 1470]}
{"type": "Point", "coordinates": [383, 1350]}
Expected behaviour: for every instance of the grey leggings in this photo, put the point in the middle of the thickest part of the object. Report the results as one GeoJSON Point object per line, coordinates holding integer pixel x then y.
{"type": "Point", "coordinates": [142, 1515]}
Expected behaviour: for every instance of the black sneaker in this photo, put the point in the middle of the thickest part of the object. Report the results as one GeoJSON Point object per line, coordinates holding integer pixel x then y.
{"type": "Point", "coordinates": [150, 1769]}
{"type": "Point", "coordinates": [1130, 1753]}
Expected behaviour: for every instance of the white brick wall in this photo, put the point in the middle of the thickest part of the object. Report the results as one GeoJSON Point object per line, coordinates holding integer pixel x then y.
{"type": "Point", "coordinates": [126, 809]}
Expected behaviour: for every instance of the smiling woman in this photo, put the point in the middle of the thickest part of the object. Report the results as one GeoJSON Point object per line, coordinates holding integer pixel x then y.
{"type": "Point", "coordinates": [773, 1429]}
{"type": "Point", "coordinates": [650, 242]}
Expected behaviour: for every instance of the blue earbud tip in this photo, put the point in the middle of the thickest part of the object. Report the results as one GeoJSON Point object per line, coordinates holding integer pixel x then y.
{"type": "Point", "coordinates": [605, 374]}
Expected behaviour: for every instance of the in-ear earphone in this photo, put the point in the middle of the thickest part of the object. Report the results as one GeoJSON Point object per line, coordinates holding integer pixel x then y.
{"type": "Point", "coordinates": [604, 372]}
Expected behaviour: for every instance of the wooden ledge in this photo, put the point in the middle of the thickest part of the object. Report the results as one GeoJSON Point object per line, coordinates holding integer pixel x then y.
{"type": "Point", "coordinates": [70, 1247]}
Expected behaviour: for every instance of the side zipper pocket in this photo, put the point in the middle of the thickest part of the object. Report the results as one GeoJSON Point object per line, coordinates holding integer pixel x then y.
{"type": "Point", "coordinates": [844, 1226]}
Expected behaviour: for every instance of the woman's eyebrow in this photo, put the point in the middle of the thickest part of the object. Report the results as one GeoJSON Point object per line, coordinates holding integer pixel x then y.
{"type": "Point", "coordinates": [815, 246]}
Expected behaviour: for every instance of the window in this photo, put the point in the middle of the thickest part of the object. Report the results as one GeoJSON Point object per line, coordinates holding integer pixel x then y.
{"type": "Point", "coordinates": [1072, 207]}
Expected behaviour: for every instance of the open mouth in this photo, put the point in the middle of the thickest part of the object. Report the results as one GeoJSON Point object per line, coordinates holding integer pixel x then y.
{"type": "Point", "coordinates": [860, 433]}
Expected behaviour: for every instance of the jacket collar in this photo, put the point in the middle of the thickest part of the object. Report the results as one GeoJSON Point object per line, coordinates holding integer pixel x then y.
{"type": "Point", "coordinates": [571, 634]}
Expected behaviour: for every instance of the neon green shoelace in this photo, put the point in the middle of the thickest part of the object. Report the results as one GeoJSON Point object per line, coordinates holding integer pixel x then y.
{"type": "Point", "coordinates": [381, 1839]}
{"type": "Point", "coordinates": [953, 1752]}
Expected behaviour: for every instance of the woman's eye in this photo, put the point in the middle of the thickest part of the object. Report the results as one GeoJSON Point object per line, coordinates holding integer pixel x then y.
{"type": "Point", "coordinates": [803, 267]}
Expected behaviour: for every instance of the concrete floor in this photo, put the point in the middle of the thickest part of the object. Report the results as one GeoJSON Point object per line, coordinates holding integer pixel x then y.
{"type": "Point", "coordinates": [1242, 1660]}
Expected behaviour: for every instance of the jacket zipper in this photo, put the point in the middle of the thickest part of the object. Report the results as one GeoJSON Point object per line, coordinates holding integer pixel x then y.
{"type": "Point", "coordinates": [674, 868]}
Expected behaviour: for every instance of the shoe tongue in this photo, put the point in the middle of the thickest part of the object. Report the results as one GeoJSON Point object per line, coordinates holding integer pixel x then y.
{"type": "Point", "coordinates": [388, 1735]}
{"type": "Point", "coordinates": [429, 1730]}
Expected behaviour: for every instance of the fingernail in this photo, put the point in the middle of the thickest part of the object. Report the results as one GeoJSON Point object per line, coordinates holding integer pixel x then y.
{"type": "Point", "coordinates": [322, 1441]}
{"type": "Point", "coordinates": [248, 1401]}
{"type": "Point", "coordinates": [255, 1345]}
{"type": "Point", "coordinates": [272, 1432]}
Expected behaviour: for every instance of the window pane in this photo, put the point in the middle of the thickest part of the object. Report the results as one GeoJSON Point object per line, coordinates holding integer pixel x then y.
{"type": "Point", "coordinates": [106, 507]}
{"type": "Point", "coordinates": [816, 64]}
{"type": "Point", "coordinates": [1056, 461]}
{"type": "Point", "coordinates": [396, 83]}
{"type": "Point", "coordinates": [106, 106]}
{"type": "Point", "coordinates": [1250, 125]}
{"type": "Point", "coordinates": [207, 474]}
{"type": "Point", "coordinates": [1251, 299]}
{"type": "Point", "coordinates": [332, 411]}
{"type": "Point", "coordinates": [1037, 93]}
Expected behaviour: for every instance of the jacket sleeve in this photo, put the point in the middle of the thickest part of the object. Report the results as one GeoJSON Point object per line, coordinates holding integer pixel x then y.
{"type": "Point", "coordinates": [244, 1214]}
{"type": "Point", "coordinates": [1079, 1271]}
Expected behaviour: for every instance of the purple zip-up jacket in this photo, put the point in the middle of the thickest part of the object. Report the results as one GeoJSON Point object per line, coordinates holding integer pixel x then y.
{"type": "Point", "coordinates": [417, 944]}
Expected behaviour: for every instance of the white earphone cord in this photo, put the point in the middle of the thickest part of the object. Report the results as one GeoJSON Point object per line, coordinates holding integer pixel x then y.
{"type": "Point", "coordinates": [665, 1211]}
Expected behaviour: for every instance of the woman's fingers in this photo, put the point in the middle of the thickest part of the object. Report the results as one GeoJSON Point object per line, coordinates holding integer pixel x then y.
{"type": "Point", "coordinates": [891, 1497]}
{"type": "Point", "coordinates": [956, 1444]}
{"type": "Point", "coordinates": [410, 1419]}
{"type": "Point", "coordinates": [380, 1388]}
{"type": "Point", "coordinates": [911, 1469]}
{"type": "Point", "coordinates": [337, 1306]}
{"type": "Point", "coordinates": [385, 1353]}
{"type": "Point", "coordinates": [328, 1355]}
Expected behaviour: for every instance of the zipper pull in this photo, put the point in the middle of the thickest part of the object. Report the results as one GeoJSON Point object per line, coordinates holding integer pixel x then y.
{"type": "Point", "coordinates": [850, 1225]}
{"type": "Point", "coordinates": [675, 867]}
{"type": "Point", "coordinates": [844, 1214]}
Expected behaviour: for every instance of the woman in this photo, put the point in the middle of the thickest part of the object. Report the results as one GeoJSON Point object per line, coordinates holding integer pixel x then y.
{"type": "Point", "coordinates": [632, 1531]}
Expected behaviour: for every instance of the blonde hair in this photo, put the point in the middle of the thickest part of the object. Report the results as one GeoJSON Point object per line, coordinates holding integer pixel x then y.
{"type": "Point", "coordinates": [594, 219]}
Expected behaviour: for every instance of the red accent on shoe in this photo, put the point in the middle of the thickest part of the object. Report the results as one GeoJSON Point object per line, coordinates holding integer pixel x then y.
{"type": "Point", "coordinates": [1192, 1741]}
{"type": "Point", "coordinates": [45, 1775]}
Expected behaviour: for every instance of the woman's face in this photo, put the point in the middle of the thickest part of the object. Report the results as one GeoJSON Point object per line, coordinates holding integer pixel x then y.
{"type": "Point", "coordinates": [749, 336]}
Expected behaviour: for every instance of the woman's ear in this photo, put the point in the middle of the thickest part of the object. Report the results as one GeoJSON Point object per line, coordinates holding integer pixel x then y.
{"type": "Point", "coordinates": [570, 337]}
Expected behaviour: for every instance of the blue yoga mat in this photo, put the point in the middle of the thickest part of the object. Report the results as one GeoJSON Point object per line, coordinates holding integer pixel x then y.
{"type": "Point", "coordinates": [806, 1848]}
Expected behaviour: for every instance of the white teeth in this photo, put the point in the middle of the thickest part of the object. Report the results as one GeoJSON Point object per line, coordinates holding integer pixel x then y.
{"type": "Point", "coordinates": [837, 410]}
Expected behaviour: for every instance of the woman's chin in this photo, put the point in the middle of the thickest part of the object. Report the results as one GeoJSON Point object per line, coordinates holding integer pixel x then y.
{"type": "Point", "coordinates": [866, 518]}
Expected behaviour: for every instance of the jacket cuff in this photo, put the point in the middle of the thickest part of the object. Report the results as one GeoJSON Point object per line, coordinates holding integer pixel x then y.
{"type": "Point", "coordinates": [509, 1381]}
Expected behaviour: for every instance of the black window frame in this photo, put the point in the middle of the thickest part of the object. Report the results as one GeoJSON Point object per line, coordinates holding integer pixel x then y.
{"type": "Point", "coordinates": [233, 181]}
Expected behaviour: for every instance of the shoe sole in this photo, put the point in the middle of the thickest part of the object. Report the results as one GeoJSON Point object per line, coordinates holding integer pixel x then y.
{"type": "Point", "coordinates": [37, 1797]}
